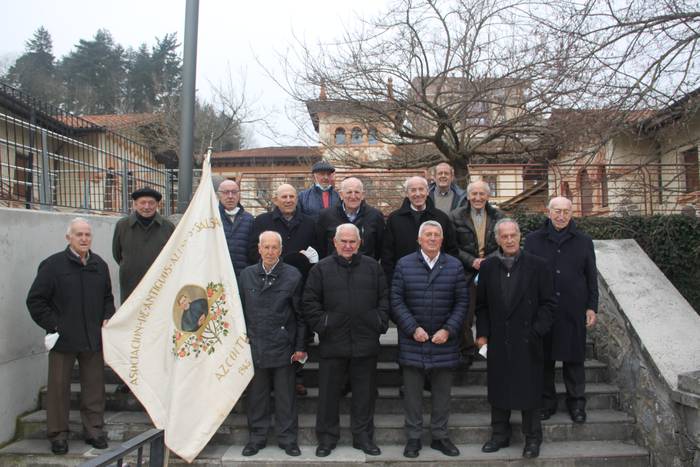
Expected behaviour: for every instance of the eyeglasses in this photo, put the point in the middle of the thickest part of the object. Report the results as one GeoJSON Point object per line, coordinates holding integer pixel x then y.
{"type": "Point", "coordinates": [229, 192]}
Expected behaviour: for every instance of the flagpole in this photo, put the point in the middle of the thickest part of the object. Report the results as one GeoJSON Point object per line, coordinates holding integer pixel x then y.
{"type": "Point", "coordinates": [189, 72]}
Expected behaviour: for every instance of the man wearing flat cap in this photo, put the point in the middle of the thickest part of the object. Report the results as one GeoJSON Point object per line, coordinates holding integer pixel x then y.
{"type": "Point", "coordinates": [322, 195]}
{"type": "Point", "coordinates": [138, 239]}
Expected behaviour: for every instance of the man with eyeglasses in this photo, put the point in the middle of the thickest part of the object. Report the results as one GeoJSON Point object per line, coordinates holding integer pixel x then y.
{"type": "Point", "coordinates": [571, 258]}
{"type": "Point", "coordinates": [237, 222]}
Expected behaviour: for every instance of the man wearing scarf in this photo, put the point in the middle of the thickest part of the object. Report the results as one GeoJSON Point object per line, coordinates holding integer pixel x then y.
{"type": "Point", "coordinates": [514, 310]}
{"type": "Point", "coordinates": [571, 258]}
{"type": "Point", "coordinates": [138, 239]}
{"type": "Point", "coordinates": [322, 195]}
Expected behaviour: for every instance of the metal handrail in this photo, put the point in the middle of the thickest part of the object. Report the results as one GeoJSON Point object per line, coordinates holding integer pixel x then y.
{"type": "Point", "coordinates": [156, 455]}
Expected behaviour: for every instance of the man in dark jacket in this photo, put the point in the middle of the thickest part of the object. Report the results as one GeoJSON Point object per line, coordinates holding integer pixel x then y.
{"type": "Point", "coordinates": [429, 300]}
{"type": "Point", "coordinates": [571, 258]}
{"type": "Point", "coordinates": [138, 239]}
{"type": "Point", "coordinates": [237, 223]}
{"type": "Point", "coordinates": [473, 222]}
{"type": "Point", "coordinates": [321, 195]}
{"type": "Point", "coordinates": [270, 295]}
{"type": "Point", "coordinates": [402, 225]}
{"type": "Point", "coordinates": [347, 304]}
{"type": "Point", "coordinates": [354, 210]}
{"type": "Point", "coordinates": [298, 240]}
{"type": "Point", "coordinates": [72, 296]}
{"type": "Point", "coordinates": [514, 311]}
{"type": "Point", "coordinates": [444, 192]}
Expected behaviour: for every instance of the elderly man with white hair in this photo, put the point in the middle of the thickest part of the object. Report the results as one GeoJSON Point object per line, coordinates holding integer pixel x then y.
{"type": "Point", "coordinates": [402, 225]}
{"type": "Point", "coordinates": [299, 247]}
{"type": "Point", "coordinates": [271, 294]}
{"type": "Point", "coordinates": [473, 222]}
{"type": "Point", "coordinates": [346, 302]}
{"type": "Point", "coordinates": [72, 296]}
{"type": "Point", "coordinates": [354, 210]}
{"type": "Point", "coordinates": [571, 257]}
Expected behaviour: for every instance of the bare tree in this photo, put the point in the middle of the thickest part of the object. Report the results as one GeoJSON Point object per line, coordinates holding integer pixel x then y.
{"type": "Point", "coordinates": [469, 81]}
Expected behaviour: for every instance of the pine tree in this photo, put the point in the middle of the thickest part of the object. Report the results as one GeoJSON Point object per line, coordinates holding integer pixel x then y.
{"type": "Point", "coordinates": [35, 71]}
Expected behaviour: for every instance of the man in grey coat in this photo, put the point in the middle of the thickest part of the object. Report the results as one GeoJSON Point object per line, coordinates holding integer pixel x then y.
{"type": "Point", "coordinates": [138, 239]}
{"type": "Point", "coordinates": [270, 294]}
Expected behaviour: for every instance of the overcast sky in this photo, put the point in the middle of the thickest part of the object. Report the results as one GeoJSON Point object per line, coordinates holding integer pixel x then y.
{"type": "Point", "coordinates": [231, 35]}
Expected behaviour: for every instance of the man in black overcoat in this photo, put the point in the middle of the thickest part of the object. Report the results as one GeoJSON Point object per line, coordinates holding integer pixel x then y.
{"type": "Point", "coordinates": [72, 296]}
{"type": "Point", "coordinates": [402, 225]}
{"type": "Point", "coordinates": [514, 311]}
{"type": "Point", "coordinates": [571, 258]}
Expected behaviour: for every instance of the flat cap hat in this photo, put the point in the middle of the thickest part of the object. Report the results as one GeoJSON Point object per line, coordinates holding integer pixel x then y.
{"type": "Point", "coordinates": [146, 191]}
{"type": "Point", "coordinates": [322, 166]}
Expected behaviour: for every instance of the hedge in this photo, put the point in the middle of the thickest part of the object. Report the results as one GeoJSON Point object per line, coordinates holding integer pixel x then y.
{"type": "Point", "coordinates": [671, 241]}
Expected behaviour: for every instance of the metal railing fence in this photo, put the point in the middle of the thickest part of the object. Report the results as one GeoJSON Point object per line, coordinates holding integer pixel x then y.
{"type": "Point", "coordinates": [97, 171]}
{"type": "Point", "coordinates": [152, 439]}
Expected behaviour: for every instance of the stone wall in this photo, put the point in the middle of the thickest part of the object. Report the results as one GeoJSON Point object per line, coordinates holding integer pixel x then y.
{"type": "Point", "coordinates": [640, 335]}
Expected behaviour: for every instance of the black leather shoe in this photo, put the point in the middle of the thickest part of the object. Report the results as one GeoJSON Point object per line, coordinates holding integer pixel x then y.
{"type": "Point", "coordinates": [368, 447]}
{"type": "Point", "coordinates": [412, 448]}
{"type": "Point", "coordinates": [578, 415]}
{"type": "Point", "coordinates": [545, 414]}
{"type": "Point", "coordinates": [59, 446]}
{"type": "Point", "coordinates": [291, 449]}
{"type": "Point", "coordinates": [531, 450]}
{"type": "Point", "coordinates": [445, 446]}
{"type": "Point", "coordinates": [252, 449]}
{"type": "Point", "coordinates": [323, 450]}
{"type": "Point", "coordinates": [494, 445]}
{"type": "Point", "coordinates": [98, 443]}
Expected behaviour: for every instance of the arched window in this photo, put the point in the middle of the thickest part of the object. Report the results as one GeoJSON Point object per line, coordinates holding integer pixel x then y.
{"type": "Point", "coordinates": [339, 136]}
{"type": "Point", "coordinates": [356, 136]}
{"type": "Point", "coordinates": [372, 136]}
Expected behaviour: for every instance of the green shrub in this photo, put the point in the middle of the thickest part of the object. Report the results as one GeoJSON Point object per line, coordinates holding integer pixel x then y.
{"type": "Point", "coordinates": [671, 241]}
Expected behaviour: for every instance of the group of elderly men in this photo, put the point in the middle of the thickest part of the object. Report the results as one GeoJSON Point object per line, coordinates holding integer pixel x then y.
{"type": "Point", "coordinates": [326, 262]}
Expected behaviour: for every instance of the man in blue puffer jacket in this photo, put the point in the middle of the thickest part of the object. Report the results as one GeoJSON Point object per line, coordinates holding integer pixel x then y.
{"type": "Point", "coordinates": [429, 300]}
{"type": "Point", "coordinates": [321, 195]}
{"type": "Point", "coordinates": [238, 224]}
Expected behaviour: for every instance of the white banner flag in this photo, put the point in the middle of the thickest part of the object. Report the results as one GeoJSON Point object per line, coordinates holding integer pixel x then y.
{"type": "Point", "coordinates": [179, 341]}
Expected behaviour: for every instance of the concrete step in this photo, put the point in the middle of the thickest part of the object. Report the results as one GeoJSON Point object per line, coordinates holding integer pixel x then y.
{"type": "Point", "coordinates": [36, 453]}
{"type": "Point", "coordinates": [389, 373]}
{"type": "Point", "coordinates": [389, 428]}
{"type": "Point", "coordinates": [465, 399]}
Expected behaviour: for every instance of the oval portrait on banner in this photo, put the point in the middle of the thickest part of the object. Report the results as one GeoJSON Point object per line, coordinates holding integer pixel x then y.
{"type": "Point", "coordinates": [191, 308]}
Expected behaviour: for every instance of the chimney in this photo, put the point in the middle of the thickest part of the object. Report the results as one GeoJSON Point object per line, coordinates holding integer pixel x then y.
{"type": "Point", "coordinates": [322, 95]}
{"type": "Point", "coordinates": [390, 88]}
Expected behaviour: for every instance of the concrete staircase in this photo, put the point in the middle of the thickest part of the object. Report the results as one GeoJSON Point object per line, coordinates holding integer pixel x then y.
{"type": "Point", "coordinates": [606, 438]}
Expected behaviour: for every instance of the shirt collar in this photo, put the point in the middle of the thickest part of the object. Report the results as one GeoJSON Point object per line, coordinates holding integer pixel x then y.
{"type": "Point", "coordinates": [431, 262]}
{"type": "Point", "coordinates": [75, 253]}
{"type": "Point", "coordinates": [271, 269]}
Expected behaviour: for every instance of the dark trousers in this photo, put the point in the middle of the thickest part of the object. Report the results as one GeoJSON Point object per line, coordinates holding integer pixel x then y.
{"type": "Point", "coordinates": [363, 383]}
{"type": "Point", "coordinates": [575, 381]}
{"type": "Point", "coordinates": [264, 382]}
{"type": "Point", "coordinates": [501, 429]}
{"type": "Point", "coordinates": [92, 393]}
{"type": "Point", "coordinates": [441, 385]}
{"type": "Point", "coordinates": [467, 346]}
